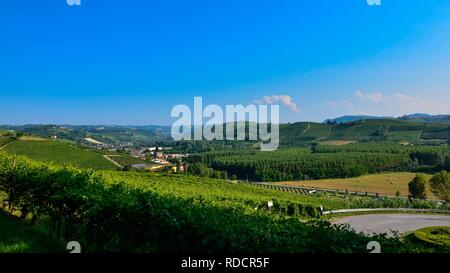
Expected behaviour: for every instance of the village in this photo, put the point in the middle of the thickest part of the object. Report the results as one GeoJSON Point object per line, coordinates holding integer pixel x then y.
{"type": "Point", "coordinates": [154, 158]}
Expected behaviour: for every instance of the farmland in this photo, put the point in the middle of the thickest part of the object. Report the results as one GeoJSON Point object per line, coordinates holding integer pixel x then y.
{"type": "Point", "coordinates": [58, 152]}
{"type": "Point", "coordinates": [319, 161]}
{"type": "Point", "coordinates": [25, 138]}
{"type": "Point", "coordinates": [54, 184]}
{"type": "Point", "coordinates": [337, 142]}
{"type": "Point", "coordinates": [208, 189]}
{"type": "Point", "coordinates": [172, 213]}
{"type": "Point", "coordinates": [380, 130]}
{"type": "Point", "coordinates": [291, 135]}
{"type": "Point", "coordinates": [119, 158]}
{"type": "Point", "coordinates": [181, 212]}
{"type": "Point", "coordinates": [385, 184]}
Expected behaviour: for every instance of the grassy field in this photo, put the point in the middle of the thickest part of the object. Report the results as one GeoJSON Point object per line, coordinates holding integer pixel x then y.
{"type": "Point", "coordinates": [19, 237]}
{"type": "Point", "coordinates": [24, 138]}
{"type": "Point", "coordinates": [59, 153]}
{"type": "Point", "coordinates": [337, 142]}
{"type": "Point", "coordinates": [386, 184]}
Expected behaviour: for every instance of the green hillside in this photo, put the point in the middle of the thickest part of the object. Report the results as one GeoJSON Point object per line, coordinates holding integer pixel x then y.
{"type": "Point", "coordinates": [365, 130]}
{"type": "Point", "coordinates": [111, 211]}
{"type": "Point", "coordinates": [141, 135]}
{"type": "Point", "coordinates": [292, 134]}
{"type": "Point", "coordinates": [217, 191]}
{"type": "Point", "coordinates": [59, 153]}
{"type": "Point", "coordinates": [303, 132]}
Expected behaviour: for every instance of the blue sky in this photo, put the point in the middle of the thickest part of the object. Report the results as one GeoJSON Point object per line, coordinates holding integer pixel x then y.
{"type": "Point", "coordinates": [130, 62]}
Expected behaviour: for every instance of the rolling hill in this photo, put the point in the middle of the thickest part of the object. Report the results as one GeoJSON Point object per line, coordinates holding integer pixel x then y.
{"type": "Point", "coordinates": [414, 129]}
{"type": "Point", "coordinates": [392, 130]}
{"type": "Point", "coordinates": [139, 135]}
{"type": "Point", "coordinates": [427, 118]}
{"type": "Point", "coordinates": [418, 117]}
{"type": "Point", "coordinates": [59, 153]}
{"type": "Point", "coordinates": [345, 119]}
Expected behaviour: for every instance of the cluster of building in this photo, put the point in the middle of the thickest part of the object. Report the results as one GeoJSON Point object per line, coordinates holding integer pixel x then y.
{"type": "Point", "coordinates": [155, 154]}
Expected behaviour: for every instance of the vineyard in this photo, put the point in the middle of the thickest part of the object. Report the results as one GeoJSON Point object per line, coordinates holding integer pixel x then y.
{"type": "Point", "coordinates": [111, 211]}
{"type": "Point", "coordinates": [119, 158]}
{"type": "Point", "coordinates": [355, 199]}
{"type": "Point", "coordinates": [60, 153]}
{"type": "Point", "coordinates": [125, 160]}
{"type": "Point", "coordinates": [186, 187]}
{"type": "Point", "coordinates": [380, 130]}
{"type": "Point", "coordinates": [5, 138]}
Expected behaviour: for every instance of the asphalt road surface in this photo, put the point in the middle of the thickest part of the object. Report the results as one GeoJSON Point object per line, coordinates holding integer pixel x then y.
{"type": "Point", "coordinates": [387, 223]}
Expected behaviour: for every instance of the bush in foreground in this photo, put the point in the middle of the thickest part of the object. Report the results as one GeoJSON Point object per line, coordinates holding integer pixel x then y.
{"type": "Point", "coordinates": [79, 205]}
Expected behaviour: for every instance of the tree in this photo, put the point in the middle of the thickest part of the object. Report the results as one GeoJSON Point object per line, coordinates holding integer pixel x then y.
{"type": "Point", "coordinates": [418, 187]}
{"type": "Point", "coordinates": [217, 174]}
{"type": "Point", "coordinates": [225, 175]}
{"type": "Point", "coordinates": [19, 135]}
{"type": "Point", "coordinates": [200, 169]}
{"type": "Point", "coordinates": [440, 185]}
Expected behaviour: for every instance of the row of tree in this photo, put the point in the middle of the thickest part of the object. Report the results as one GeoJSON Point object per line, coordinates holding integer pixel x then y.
{"type": "Point", "coordinates": [291, 165]}
{"type": "Point", "coordinates": [325, 161]}
{"type": "Point", "coordinates": [439, 185]}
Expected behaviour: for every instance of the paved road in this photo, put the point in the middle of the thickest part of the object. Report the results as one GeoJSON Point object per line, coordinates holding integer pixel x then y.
{"type": "Point", "coordinates": [386, 223]}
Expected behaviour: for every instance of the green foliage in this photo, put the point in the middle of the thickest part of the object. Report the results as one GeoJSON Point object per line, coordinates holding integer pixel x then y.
{"type": "Point", "coordinates": [120, 158]}
{"type": "Point", "coordinates": [440, 185]}
{"type": "Point", "coordinates": [199, 169]}
{"type": "Point", "coordinates": [19, 237]}
{"type": "Point", "coordinates": [300, 164]}
{"type": "Point", "coordinates": [291, 135]}
{"type": "Point", "coordinates": [124, 160]}
{"type": "Point", "coordinates": [139, 135]}
{"type": "Point", "coordinates": [418, 187]}
{"type": "Point", "coordinates": [435, 235]}
{"type": "Point", "coordinates": [326, 161]}
{"type": "Point", "coordinates": [5, 140]}
{"type": "Point", "coordinates": [363, 131]}
{"type": "Point", "coordinates": [112, 211]}
{"type": "Point", "coordinates": [430, 239]}
{"type": "Point", "coordinates": [19, 135]}
{"type": "Point", "coordinates": [59, 153]}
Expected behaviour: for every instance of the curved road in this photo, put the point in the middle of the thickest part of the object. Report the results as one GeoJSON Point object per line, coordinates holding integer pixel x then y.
{"type": "Point", "coordinates": [387, 223]}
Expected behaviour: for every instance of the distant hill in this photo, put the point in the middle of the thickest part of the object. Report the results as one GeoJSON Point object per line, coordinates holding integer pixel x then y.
{"type": "Point", "coordinates": [413, 117]}
{"type": "Point", "coordinates": [427, 118]}
{"type": "Point", "coordinates": [345, 119]}
{"type": "Point", "coordinates": [407, 129]}
{"type": "Point", "coordinates": [139, 135]}
{"type": "Point", "coordinates": [366, 130]}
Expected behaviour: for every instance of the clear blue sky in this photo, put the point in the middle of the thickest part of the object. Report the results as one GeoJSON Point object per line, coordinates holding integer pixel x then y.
{"type": "Point", "coordinates": [130, 62]}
